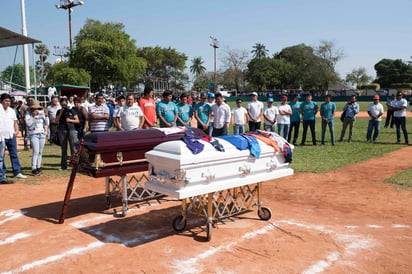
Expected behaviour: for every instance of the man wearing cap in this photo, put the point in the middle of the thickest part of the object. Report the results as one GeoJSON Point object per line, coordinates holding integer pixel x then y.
{"type": "Point", "coordinates": [327, 113]}
{"type": "Point", "coordinates": [285, 111]}
{"type": "Point", "coordinates": [255, 112]}
{"type": "Point", "coordinates": [211, 103]}
{"type": "Point", "coordinates": [270, 115]}
{"type": "Point", "coordinates": [294, 120]}
{"type": "Point", "coordinates": [399, 115]}
{"type": "Point", "coordinates": [203, 113]}
{"type": "Point", "coordinates": [375, 111]}
{"type": "Point", "coordinates": [308, 109]}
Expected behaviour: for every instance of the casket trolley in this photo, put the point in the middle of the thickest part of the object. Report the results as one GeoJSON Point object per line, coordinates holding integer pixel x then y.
{"type": "Point", "coordinates": [213, 184]}
{"type": "Point", "coordinates": [115, 155]}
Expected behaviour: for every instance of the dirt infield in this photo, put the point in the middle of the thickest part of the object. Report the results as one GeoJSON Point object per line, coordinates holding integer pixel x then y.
{"type": "Point", "coordinates": [347, 220]}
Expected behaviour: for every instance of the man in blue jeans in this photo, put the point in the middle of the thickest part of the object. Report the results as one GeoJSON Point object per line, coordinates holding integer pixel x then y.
{"type": "Point", "coordinates": [327, 113]}
{"type": "Point", "coordinates": [8, 133]}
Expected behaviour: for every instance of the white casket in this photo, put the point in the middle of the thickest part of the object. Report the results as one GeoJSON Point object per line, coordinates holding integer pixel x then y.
{"type": "Point", "coordinates": [175, 171]}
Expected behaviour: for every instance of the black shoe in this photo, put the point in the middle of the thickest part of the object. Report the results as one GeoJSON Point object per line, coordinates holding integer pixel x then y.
{"type": "Point", "coordinates": [6, 182]}
{"type": "Point", "coordinates": [39, 170]}
{"type": "Point", "coordinates": [35, 172]}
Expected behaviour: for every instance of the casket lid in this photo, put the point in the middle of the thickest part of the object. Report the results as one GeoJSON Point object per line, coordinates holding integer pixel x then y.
{"type": "Point", "coordinates": [179, 151]}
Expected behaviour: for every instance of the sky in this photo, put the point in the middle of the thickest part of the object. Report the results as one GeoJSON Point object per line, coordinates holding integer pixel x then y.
{"type": "Point", "coordinates": [366, 31]}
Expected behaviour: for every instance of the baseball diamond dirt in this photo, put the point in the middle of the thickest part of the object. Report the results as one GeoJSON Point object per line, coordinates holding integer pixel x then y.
{"type": "Point", "coordinates": [345, 221]}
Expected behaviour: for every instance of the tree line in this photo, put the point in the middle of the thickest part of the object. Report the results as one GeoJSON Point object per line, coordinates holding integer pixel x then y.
{"type": "Point", "coordinates": [104, 54]}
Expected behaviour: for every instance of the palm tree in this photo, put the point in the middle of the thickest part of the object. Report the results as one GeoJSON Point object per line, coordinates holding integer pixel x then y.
{"type": "Point", "coordinates": [44, 52]}
{"type": "Point", "coordinates": [197, 67]}
{"type": "Point", "coordinates": [259, 51]}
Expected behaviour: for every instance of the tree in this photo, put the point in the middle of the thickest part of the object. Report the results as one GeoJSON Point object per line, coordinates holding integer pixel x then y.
{"type": "Point", "coordinates": [197, 67]}
{"type": "Point", "coordinates": [390, 71]}
{"type": "Point", "coordinates": [259, 51]}
{"type": "Point", "coordinates": [15, 76]}
{"type": "Point", "coordinates": [108, 54]}
{"type": "Point", "coordinates": [63, 73]}
{"type": "Point", "coordinates": [41, 66]}
{"type": "Point", "coordinates": [165, 63]}
{"type": "Point", "coordinates": [235, 63]}
{"type": "Point", "coordinates": [328, 51]}
{"type": "Point", "coordinates": [358, 77]}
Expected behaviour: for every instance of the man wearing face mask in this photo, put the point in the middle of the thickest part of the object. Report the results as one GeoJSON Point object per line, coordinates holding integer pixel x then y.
{"type": "Point", "coordinates": [66, 130]}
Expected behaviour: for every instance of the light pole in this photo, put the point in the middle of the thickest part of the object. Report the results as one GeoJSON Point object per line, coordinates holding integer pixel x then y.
{"type": "Point", "coordinates": [68, 5]}
{"type": "Point", "coordinates": [214, 45]}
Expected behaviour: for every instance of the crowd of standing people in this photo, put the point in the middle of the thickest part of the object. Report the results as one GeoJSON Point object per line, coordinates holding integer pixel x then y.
{"type": "Point", "coordinates": [66, 120]}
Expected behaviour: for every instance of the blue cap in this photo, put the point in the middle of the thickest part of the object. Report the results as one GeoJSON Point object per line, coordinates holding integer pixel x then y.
{"type": "Point", "coordinates": [210, 95]}
{"type": "Point", "coordinates": [270, 100]}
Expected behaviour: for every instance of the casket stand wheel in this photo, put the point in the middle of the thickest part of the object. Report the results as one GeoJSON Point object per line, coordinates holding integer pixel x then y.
{"type": "Point", "coordinates": [179, 223]}
{"type": "Point", "coordinates": [264, 213]}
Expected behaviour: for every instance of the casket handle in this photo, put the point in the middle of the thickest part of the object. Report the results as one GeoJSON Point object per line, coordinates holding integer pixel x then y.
{"type": "Point", "coordinates": [272, 164]}
{"type": "Point", "coordinates": [119, 156]}
{"type": "Point", "coordinates": [208, 175]}
{"type": "Point", "coordinates": [245, 169]}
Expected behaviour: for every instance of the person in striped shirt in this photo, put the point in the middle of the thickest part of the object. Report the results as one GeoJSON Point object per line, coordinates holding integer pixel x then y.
{"type": "Point", "coordinates": [99, 115]}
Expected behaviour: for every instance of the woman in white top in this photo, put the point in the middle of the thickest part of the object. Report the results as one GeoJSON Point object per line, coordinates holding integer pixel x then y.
{"type": "Point", "coordinates": [37, 124]}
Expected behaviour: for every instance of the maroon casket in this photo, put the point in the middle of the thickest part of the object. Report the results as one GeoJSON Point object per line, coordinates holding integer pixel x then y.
{"type": "Point", "coordinates": [122, 152]}
{"type": "Point", "coordinates": [108, 154]}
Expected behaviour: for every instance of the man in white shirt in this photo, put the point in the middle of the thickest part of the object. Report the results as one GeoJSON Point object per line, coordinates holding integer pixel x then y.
{"type": "Point", "coordinates": [399, 106]}
{"type": "Point", "coordinates": [375, 111]}
{"type": "Point", "coordinates": [271, 115]}
{"type": "Point", "coordinates": [255, 111]}
{"type": "Point", "coordinates": [129, 116]}
{"type": "Point", "coordinates": [8, 132]}
{"type": "Point", "coordinates": [221, 113]}
{"type": "Point", "coordinates": [239, 117]}
{"type": "Point", "coordinates": [51, 91]}
{"type": "Point", "coordinates": [284, 117]}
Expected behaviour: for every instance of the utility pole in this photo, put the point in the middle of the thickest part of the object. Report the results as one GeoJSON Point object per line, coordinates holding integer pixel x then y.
{"type": "Point", "coordinates": [68, 5]}
{"type": "Point", "coordinates": [214, 45]}
{"type": "Point", "coordinates": [25, 48]}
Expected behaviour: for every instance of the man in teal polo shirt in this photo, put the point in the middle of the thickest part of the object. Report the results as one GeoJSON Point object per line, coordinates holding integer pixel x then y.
{"type": "Point", "coordinates": [327, 113]}
{"type": "Point", "coordinates": [308, 109]}
{"type": "Point", "coordinates": [202, 113]}
{"type": "Point", "coordinates": [184, 112]}
{"type": "Point", "coordinates": [166, 110]}
{"type": "Point", "coordinates": [294, 119]}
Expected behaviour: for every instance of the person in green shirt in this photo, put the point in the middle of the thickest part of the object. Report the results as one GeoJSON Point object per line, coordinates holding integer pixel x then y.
{"type": "Point", "coordinates": [308, 109]}
{"type": "Point", "coordinates": [327, 113]}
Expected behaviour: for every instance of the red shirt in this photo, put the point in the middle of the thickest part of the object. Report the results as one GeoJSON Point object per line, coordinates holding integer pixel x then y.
{"type": "Point", "coordinates": [148, 107]}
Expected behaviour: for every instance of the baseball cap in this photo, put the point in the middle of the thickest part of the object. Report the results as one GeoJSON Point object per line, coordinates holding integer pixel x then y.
{"type": "Point", "coordinates": [210, 95]}
{"type": "Point", "coordinates": [270, 100]}
{"type": "Point", "coordinates": [297, 96]}
{"type": "Point", "coordinates": [376, 97]}
{"type": "Point", "coordinates": [284, 97]}
{"type": "Point", "coordinates": [253, 94]}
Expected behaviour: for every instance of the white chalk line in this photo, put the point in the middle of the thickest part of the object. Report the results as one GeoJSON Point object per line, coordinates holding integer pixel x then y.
{"type": "Point", "coordinates": [15, 237]}
{"type": "Point", "coordinates": [11, 215]}
{"type": "Point", "coordinates": [53, 258]}
{"type": "Point", "coordinates": [192, 265]}
{"type": "Point", "coordinates": [353, 243]}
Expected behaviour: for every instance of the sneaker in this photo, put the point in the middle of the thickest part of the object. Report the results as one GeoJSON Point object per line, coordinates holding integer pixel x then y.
{"type": "Point", "coordinates": [6, 182]}
{"type": "Point", "coordinates": [39, 170]}
{"type": "Point", "coordinates": [20, 176]}
{"type": "Point", "coordinates": [35, 172]}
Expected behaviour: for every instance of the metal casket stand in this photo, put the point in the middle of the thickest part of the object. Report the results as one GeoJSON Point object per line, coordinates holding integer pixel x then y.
{"type": "Point", "coordinates": [216, 206]}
